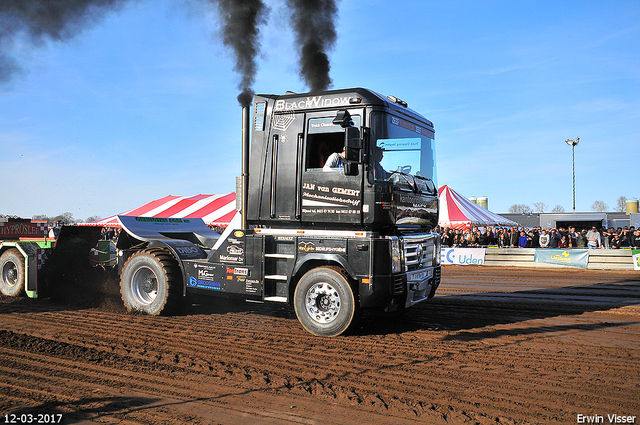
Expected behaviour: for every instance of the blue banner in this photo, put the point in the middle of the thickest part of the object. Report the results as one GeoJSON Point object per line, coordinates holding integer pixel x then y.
{"type": "Point", "coordinates": [462, 256]}
{"type": "Point", "coordinates": [564, 257]}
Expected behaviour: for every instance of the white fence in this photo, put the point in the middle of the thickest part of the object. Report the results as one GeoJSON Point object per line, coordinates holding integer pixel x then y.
{"type": "Point", "coordinates": [598, 259]}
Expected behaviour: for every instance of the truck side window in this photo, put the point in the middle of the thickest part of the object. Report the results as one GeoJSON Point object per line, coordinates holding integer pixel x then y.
{"type": "Point", "coordinates": [323, 139]}
{"type": "Point", "coordinates": [320, 146]}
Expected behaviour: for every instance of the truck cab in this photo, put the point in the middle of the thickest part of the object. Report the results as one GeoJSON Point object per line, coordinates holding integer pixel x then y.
{"type": "Point", "coordinates": [330, 241]}
{"type": "Point", "coordinates": [386, 183]}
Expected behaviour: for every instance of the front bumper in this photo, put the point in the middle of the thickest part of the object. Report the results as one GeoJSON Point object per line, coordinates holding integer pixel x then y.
{"type": "Point", "coordinates": [419, 285]}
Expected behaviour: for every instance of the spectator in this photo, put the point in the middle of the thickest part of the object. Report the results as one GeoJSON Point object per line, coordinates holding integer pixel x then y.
{"type": "Point", "coordinates": [514, 237]}
{"type": "Point", "coordinates": [472, 239]}
{"type": "Point", "coordinates": [447, 240]}
{"type": "Point", "coordinates": [504, 239]}
{"type": "Point", "coordinates": [554, 237]}
{"type": "Point", "coordinates": [544, 239]}
{"type": "Point", "coordinates": [581, 239]}
{"type": "Point", "coordinates": [483, 239]}
{"type": "Point", "coordinates": [563, 243]}
{"type": "Point", "coordinates": [593, 238]}
{"type": "Point", "coordinates": [535, 239]}
{"type": "Point", "coordinates": [635, 240]}
{"type": "Point", "coordinates": [522, 240]}
{"type": "Point", "coordinates": [607, 236]}
{"type": "Point", "coordinates": [616, 242]}
{"type": "Point", "coordinates": [492, 236]}
{"type": "Point", "coordinates": [572, 237]}
{"type": "Point", "coordinates": [625, 237]}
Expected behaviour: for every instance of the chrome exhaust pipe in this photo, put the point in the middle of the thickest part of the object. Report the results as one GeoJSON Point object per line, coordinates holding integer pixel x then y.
{"type": "Point", "coordinates": [245, 166]}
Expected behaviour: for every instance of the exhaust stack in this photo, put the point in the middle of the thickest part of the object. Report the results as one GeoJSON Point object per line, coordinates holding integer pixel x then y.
{"type": "Point", "coordinates": [245, 166]}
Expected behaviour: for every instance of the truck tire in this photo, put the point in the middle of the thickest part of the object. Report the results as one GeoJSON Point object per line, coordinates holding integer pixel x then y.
{"type": "Point", "coordinates": [151, 282]}
{"type": "Point", "coordinates": [324, 302]}
{"type": "Point", "coordinates": [12, 269]}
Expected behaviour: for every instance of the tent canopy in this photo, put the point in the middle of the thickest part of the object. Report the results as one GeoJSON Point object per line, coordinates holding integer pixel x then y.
{"type": "Point", "coordinates": [457, 212]}
{"type": "Point", "coordinates": [217, 210]}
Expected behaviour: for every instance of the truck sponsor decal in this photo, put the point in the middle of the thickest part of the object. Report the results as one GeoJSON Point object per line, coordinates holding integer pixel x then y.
{"type": "Point", "coordinates": [238, 271]}
{"type": "Point", "coordinates": [311, 102]}
{"type": "Point", "coordinates": [353, 202]}
{"type": "Point", "coordinates": [11, 230]}
{"type": "Point", "coordinates": [252, 286]}
{"type": "Point", "coordinates": [161, 220]}
{"type": "Point", "coordinates": [235, 250]}
{"type": "Point", "coordinates": [324, 246]}
{"type": "Point", "coordinates": [187, 250]}
{"type": "Point", "coordinates": [328, 211]}
{"type": "Point", "coordinates": [206, 284]}
{"type": "Point", "coordinates": [325, 196]}
{"type": "Point", "coordinates": [231, 259]}
{"type": "Point", "coordinates": [205, 274]}
{"type": "Point", "coordinates": [415, 202]}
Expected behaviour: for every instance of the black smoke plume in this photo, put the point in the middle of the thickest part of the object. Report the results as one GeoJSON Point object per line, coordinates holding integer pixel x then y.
{"type": "Point", "coordinates": [313, 23]}
{"type": "Point", "coordinates": [241, 20]}
{"type": "Point", "coordinates": [43, 20]}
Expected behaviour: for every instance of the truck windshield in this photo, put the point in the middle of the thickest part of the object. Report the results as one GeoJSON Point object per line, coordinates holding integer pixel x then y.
{"type": "Point", "coordinates": [402, 149]}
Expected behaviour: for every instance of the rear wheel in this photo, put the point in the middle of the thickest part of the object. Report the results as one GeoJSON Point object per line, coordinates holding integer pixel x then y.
{"type": "Point", "coordinates": [324, 302]}
{"type": "Point", "coordinates": [12, 269]}
{"type": "Point", "coordinates": [151, 282]}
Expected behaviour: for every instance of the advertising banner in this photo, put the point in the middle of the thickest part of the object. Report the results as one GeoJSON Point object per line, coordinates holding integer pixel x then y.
{"type": "Point", "coordinates": [564, 257]}
{"type": "Point", "coordinates": [636, 259]}
{"type": "Point", "coordinates": [462, 256]}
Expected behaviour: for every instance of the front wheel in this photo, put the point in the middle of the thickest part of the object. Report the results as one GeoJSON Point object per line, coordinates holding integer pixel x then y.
{"type": "Point", "coordinates": [12, 269]}
{"type": "Point", "coordinates": [151, 282]}
{"type": "Point", "coordinates": [324, 302]}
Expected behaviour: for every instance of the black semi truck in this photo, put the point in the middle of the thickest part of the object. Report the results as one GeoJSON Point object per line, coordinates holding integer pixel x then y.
{"type": "Point", "coordinates": [337, 204]}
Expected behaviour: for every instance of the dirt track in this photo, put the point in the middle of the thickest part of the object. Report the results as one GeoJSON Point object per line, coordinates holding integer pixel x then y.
{"type": "Point", "coordinates": [496, 346]}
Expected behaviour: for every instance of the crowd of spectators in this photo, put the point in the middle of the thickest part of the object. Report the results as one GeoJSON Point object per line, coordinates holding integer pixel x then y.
{"type": "Point", "coordinates": [537, 237]}
{"type": "Point", "coordinates": [110, 233]}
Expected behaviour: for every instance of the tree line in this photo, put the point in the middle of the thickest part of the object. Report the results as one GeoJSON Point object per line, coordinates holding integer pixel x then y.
{"type": "Point", "coordinates": [66, 218]}
{"type": "Point", "coordinates": [541, 207]}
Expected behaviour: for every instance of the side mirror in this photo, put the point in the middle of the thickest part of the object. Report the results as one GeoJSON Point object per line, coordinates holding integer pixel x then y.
{"type": "Point", "coordinates": [353, 144]}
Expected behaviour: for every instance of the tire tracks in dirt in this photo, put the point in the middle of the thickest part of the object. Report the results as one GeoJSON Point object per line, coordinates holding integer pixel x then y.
{"type": "Point", "coordinates": [493, 347]}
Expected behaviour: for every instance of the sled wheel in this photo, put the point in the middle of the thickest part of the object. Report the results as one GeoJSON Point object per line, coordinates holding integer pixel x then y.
{"type": "Point", "coordinates": [12, 269]}
{"type": "Point", "coordinates": [151, 282]}
{"type": "Point", "coordinates": [324, 302]}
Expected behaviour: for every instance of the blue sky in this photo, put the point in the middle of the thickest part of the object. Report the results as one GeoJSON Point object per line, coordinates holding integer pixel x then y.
{"type": "Point", "coordinates": [143, 104]}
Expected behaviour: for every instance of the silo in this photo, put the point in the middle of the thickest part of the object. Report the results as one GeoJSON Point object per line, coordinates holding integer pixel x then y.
{"type": "Point", "coordinates": [473, 199]}
{"type": "Point", "coordinates": [483, 201]}
{"type": "Point", "coordinates": [632, 206]}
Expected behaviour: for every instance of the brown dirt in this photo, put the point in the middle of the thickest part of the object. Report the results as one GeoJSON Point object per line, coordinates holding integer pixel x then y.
{"type": "Point", "coordinates": [496, 346]}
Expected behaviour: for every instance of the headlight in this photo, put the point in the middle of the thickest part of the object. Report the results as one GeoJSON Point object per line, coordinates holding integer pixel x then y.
{"type": "Point", "coordinates": [438, 252]}
{"type": "Point", "coordinates": [396, 255]}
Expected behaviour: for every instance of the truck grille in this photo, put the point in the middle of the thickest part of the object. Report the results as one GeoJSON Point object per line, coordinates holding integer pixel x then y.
{"type": "Point", "coordinates": [418, 253]}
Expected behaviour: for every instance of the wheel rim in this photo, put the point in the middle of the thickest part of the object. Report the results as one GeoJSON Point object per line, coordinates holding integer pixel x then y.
{"type": "Point", "coordinates": [322, 302]}
{"type": "Point", "coordinates": [144, 285]}
{"type": "Point", "coordinates": [10, 274]}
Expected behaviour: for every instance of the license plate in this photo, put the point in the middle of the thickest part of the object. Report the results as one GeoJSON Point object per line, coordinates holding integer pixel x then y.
{"type": "Point", "coordinates": [419, 276]}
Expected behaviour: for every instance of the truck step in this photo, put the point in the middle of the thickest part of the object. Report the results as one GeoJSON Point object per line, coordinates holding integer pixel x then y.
{"type": "Point", "coordinates": [276, 299]}
{"type": "Point", "coordinates": [279, 255]}
{"type": "Point", "coordinates": [276, 277]}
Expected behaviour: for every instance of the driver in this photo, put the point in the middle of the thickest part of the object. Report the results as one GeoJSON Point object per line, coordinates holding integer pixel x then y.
{"type": "Point", "coordinates": [335, 161]}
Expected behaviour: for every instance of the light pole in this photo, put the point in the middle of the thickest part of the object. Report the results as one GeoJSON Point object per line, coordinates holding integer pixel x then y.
{"type": "Point", "coordinates": [573, 144]}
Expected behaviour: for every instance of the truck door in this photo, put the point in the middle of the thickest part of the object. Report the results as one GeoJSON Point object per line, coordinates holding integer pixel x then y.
{"type": "Point", "coordinates": [284, 155]}
{"type": "Point", "coordinates": [328, 195]}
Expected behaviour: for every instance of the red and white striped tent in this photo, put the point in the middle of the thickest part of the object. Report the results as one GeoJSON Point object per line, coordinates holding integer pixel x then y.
{"type": "Point", "coordinates": [457, 212]}
{"type": "Point", "coordinates": [217, 210]}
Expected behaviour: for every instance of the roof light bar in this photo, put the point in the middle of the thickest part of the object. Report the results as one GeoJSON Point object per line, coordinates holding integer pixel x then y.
{"type": "Point", "coordinates": [400, 102]}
